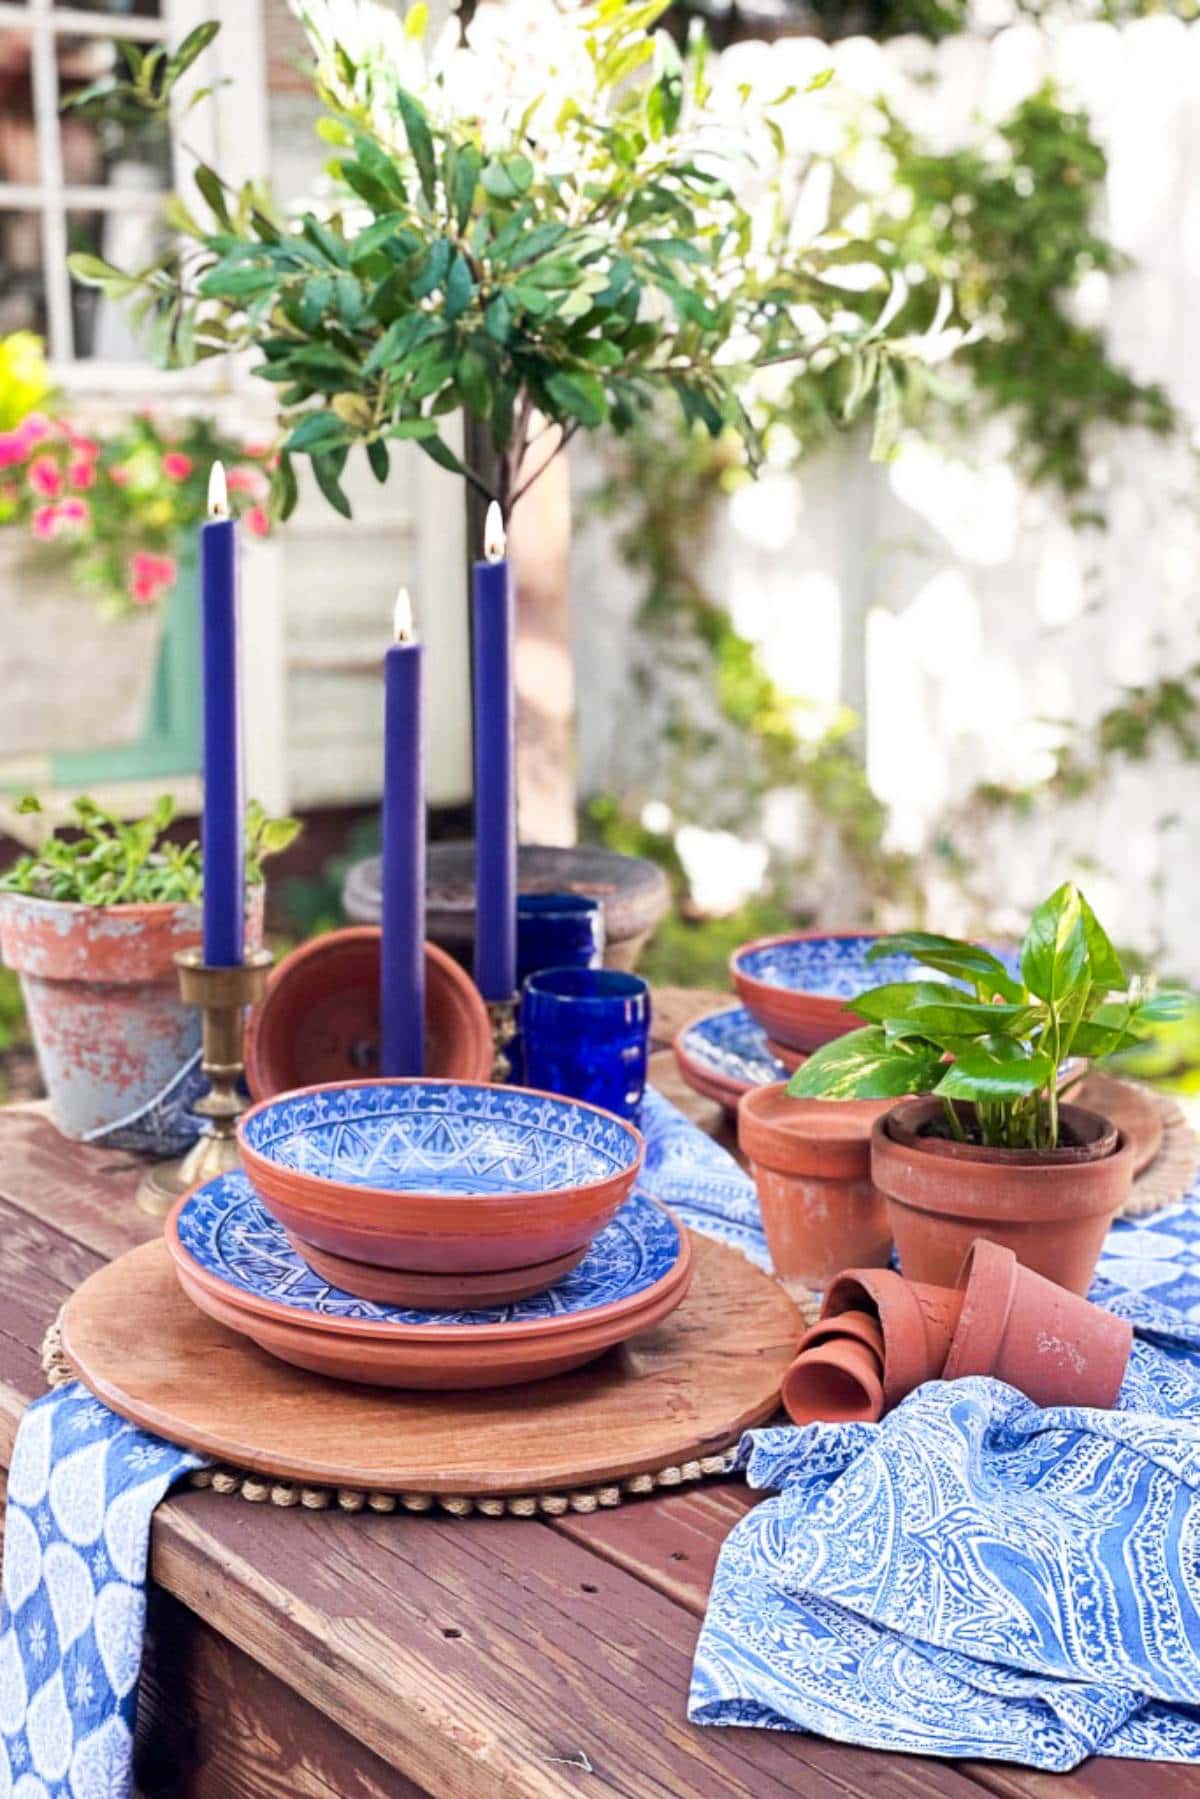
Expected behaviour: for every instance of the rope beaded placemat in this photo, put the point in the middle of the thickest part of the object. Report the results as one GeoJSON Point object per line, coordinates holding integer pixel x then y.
{"type": "Point", "coordinates": [664, 1412]}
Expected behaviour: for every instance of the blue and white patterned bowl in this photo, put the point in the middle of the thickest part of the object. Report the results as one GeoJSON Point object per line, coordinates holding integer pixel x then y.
{"type": "Point", "coordinates": [724, 1054]}
{"type": "Point", "coordinates": [797, 986]}
{"type": "Point", "coordinates": [439, 1177]}
{"type": "Point", "coordinates": [221, 1237]}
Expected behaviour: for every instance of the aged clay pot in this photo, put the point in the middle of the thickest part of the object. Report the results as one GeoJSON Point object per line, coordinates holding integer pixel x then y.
{"type": "Point", "coordinates": [319, 1019]}
{"type": "Point", "coordinates": [102, 994]}
{"type": "Point", "coordinates": [1053, 1209]}
{"type": "Point", "coordinates": [1047, 1342]}
{"type": "Point", "coordinates": [811, 1164]}
{"type": "Point", "coordinates": [917, 1323]}
{"type": "Point", "coordinates": [837, 1380]}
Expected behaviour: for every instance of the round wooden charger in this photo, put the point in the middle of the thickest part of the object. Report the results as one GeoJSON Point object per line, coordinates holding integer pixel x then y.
{"type": "Point", "coordinates": [678, 1393]}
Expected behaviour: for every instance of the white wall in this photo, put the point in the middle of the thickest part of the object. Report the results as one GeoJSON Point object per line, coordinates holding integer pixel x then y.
{"type": "Point", "coordinates": [958, 610]}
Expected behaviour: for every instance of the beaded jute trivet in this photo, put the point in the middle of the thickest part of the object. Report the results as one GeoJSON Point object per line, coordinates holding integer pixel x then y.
{"type": "Point", "coordinates": [1172, 1172]}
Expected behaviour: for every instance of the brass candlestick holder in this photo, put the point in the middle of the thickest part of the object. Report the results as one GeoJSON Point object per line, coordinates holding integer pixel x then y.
{"type": "Point", "coordinates": [223, 995]}
{"type": "Point", "coordinates": [503, 1016]}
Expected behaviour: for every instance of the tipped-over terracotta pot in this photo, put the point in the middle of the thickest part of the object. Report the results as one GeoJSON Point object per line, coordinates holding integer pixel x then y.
{"type": "Point", "coordinates": [917, 1323]}
{"type": "Point", "coordinates": [1052, 1209]}
{"type": "Point", "coordinates": [811, 1161]}
{"type": "Point", "coordinates": [837, 1380]}
{"type": "Point", "coordinates": [1026, 1330]}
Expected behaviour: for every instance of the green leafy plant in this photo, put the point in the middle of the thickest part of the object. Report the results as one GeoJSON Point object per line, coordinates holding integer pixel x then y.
{"type": "Point", "coordinates": [107, 861]}
{"type": "Point", "coordinates": [987, 1037]}
{"type": "Point", "coordinates": [545, 255]}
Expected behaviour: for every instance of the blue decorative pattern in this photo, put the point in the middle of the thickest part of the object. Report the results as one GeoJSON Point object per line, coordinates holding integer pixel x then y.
{"type": "Point", "coordinates": [732, 1046]}
{"type": "Point", "coordinates": [227, 1233]}
{"type": "Point", "coordinates": [166, 1125]}
{"type": "Point", "coordinates": [434, 1136]}
{"type": "Point", "coordinates": [81, 1492]}
{"type": "Point", "coordinates": [837, 967]}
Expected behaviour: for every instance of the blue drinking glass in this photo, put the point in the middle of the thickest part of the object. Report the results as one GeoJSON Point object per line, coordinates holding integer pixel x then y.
{"type": "Point", "coordinates": [586, 1034]}
{"type": "Point", "coordinates": [558, 930]}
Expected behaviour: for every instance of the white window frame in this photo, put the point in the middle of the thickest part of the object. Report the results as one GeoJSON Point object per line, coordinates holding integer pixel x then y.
{"type": "Point", "coordinates": [229, 130]}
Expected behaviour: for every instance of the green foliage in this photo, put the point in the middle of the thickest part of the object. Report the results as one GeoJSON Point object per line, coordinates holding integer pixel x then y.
{"type": "Point", "coordinates": [107, 861]}
{"type": "Point", "coordinates": [1005, 225]}
{"type": "Point", "coordinates": [985, 1038]}
{"type": "Point", "coordinates": [581, 257]}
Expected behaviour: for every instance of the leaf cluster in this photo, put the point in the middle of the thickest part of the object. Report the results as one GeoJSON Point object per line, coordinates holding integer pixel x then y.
{"type": "Point", "coordinates": [108, 861]}
{"type": "Point", "coordinates": [988, 1037]}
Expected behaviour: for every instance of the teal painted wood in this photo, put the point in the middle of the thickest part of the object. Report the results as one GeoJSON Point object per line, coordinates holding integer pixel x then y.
{"type": "Point", "coordinates": [170, 739]}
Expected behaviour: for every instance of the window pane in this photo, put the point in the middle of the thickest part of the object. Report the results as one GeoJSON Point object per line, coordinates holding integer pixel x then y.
{"type": "Point", "coordinates": [117, 9]}
{"type": "Point", "coordinates": [22, 288]}
{"type": "Point", "coordinates": [18, 136]}
{"type": "Point", "coordinates": [134, 156]}
{"type": "Point", "coordinates": [128, 240]}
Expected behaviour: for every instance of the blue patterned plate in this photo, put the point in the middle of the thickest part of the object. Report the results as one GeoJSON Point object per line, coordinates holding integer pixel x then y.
{"type": "Point", "coordinates": [221, 1236]}
{"type": "Point", "coordinates": [725, 1054]}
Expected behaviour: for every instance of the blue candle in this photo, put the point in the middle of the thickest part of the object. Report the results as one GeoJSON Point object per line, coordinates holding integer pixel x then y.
{"type": "Point", "coordinates": [222, 834]}
{"type": "Point", "coordinates": [402, 953]}
{"type": "Point", "coordinates": [495, 791]}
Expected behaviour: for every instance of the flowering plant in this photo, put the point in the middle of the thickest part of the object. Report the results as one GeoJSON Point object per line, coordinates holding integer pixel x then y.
{"type": "Point", "coordinates": [118, 505]}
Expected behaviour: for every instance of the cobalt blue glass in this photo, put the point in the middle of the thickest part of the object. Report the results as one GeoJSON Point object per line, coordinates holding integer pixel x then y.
{"type": "Point", "coordinates": [586, 1034]}
{"type": "Point", "coordinates": [558, 930]}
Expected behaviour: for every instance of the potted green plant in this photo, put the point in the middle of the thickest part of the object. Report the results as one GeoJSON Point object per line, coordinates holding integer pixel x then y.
{"type": "Point", "coordinates": [91, 923]}
{"type": "Point", "coordinates": [991, 1150]}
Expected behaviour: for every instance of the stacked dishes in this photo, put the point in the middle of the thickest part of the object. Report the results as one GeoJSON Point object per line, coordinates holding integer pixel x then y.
{"type": "Point", "coordinates": [237, 1264]}
{"type": "Point", "coordinates": [431, 1234]}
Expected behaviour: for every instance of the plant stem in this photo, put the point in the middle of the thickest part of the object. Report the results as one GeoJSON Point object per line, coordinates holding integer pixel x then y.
{"type": "Point", "coordinates": [953, 1120]}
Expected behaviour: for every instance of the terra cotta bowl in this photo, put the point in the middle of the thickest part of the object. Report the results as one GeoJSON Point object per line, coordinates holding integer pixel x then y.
{"type": "Point", "coordinates": [439, 1177]}
{"type": "Point", "coordinates": [319, 1020]}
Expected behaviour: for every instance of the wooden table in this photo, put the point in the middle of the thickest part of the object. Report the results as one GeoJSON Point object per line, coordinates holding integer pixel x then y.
{"type": "Point", "coordinates": [342, 1656]}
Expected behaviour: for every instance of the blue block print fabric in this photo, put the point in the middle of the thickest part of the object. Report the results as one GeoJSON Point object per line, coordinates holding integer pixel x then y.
{"type": "Point", "coordinates": [81, 1492]}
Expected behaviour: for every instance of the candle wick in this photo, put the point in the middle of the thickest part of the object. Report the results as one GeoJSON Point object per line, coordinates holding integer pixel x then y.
{"type": "Point", "coordinates": [218, 492]}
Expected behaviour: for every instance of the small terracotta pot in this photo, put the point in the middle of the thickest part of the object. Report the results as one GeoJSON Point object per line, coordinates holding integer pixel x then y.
{"type": "Point", "coordinates": [102, 993]}
{"type": "Point", "coordinates": [1047, 1342]}
{"type": "Point", "coordinates": [917, 1323]}
{"type": "Point", "coordinates": [837, 1381]}
{"type": "Point", "coordinates": [319, 1019]}
{"type": "Point", "coordinates": [811, 1164]}
{"type": "Point", "coordinates": [862, 1326]}
{"type": "Point", "coordinates": [1053, 1210]}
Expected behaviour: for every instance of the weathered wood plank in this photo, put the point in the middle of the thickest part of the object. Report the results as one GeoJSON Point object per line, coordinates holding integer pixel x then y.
{"type": "Point", "coordinates": [86, 1193]}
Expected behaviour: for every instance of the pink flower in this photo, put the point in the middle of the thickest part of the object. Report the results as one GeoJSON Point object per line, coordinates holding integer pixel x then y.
{"type": "Point", "coordinates": [74, 512]}
{"type": "Point", "coordinates": [45, 477]}
{"type": "Point", "coordinates": [149, 577]}
{"type": "Point", "coordinates": [118, 474]}
{"type": "Point", "coordinates": [45, 523]}
{"type": "Point", "coordinates": [34, 428]}
{"type": "Point", "coordinates": [177, 466]}
{"type": "Point", "coordinates": [259, 450]}
{"type": "Point", "coordinates": [12, 448]}
{"type": "Point", "coordinates": [82, 472]}
{"type": "Point", "coordinates": [243, 479]}
{"type": "Point", "coordinates": [257, 522]}
{"type": "Point", "coordinates": [83, 446]}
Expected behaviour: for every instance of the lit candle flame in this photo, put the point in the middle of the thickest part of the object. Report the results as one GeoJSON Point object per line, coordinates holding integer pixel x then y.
{"type": "Point", "coordinates": [493, 534]}
{"type": "Point", "coordinates": [218, 492]}
{"type": "Point", "coordinates": [402, 618]}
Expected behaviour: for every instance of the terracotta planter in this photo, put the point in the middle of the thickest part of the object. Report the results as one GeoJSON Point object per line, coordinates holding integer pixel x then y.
{"type": "Point", "coordinates": [1037, 1336]}
{"type": "Point", "coordinates": [1053, 1210]}
{"type": "Point", "coordinates": [811, 1161]}
{"type": "Point", "coordinates": [837, 1380]}
{"type": "Point", "coordinates": [917, 1323]}
{"type": "Point", "coordinates": [319, 1020]}
{"type": "Point", "coordinates": [101, 991]}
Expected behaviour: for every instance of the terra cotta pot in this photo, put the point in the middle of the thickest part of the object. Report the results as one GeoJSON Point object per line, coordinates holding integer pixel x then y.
{"type": "Point", "coordinates": [102, 994]}
{"type": "Point", "coordinates": [811, 1161]}
{"type": "Point", "coordinates": [837, 1380]}
{"type": "Point", "coordinates": [1047, 1342]}
{"type": "Point", "coordinates": [917, 1322]}
{"type": "Point", "coordinates": [1053, 1209]}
